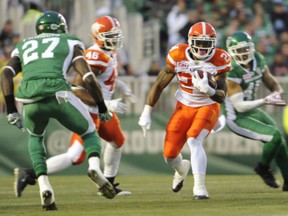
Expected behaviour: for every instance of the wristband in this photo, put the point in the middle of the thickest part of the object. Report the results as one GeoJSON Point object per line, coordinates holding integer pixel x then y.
{"type": "Point", "coordinates": [102, 107]}
{"type": "Point", "coordinates": [10, 104]}
{"type": "Point", "coordinates": [147, 110]}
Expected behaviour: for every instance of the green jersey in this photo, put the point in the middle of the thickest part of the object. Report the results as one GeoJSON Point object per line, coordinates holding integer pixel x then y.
{"type": "Point", "coordinates": [249, 80]}
{"type": "Point", "coordinates": [45, 61]}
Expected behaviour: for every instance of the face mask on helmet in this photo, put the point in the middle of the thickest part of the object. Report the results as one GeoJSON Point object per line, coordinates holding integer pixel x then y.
{"type": "Point", "coordinates": [51, 22]}
{"type": "Point", "coordinates": [243, 53]}
{"type": "Point", "coordinates": [112, 40]}
{"type": "Point", "coordinates": [202, 40]}
{"type": "Point", "coordinates": [107, 33]}
{"type": "Point", "coordinates": [201, 47]}
{"type": "Point", "coordinates": [241, 48]}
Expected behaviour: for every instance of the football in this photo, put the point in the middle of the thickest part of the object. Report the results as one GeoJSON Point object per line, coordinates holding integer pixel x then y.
{"type": "Point", "coordinates": [211, 79]}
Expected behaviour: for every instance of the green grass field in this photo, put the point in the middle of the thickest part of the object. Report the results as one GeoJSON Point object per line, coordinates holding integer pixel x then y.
{"type": "Point", "coordinates": [241, 195]}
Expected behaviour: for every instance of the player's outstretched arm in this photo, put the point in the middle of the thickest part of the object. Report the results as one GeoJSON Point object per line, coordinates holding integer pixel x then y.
{"type": "Point", "coordinates": [90, 82]}
{"type": "Point", "coordinates": [9, 71]}
{"type": "Point", "coordinates": [271, 82]}
{"type": "Point", "coordinates": [164, 78]}
{"type": "Point", "coordinates": [275, 98]}
{"type": "Point", "coordinates": [126, 90]}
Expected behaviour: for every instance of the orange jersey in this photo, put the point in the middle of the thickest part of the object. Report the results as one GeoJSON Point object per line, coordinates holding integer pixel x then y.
{"type": "Point", "coordinates": [106, 61]}
{"type": "Point", "coordinates": [184, 66]}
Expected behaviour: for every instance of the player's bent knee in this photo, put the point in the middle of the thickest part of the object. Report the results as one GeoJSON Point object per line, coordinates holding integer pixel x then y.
{"type": "Point", "coordinates": [170, 154]}
{"type": "Point", "coordinates": [277, 138]}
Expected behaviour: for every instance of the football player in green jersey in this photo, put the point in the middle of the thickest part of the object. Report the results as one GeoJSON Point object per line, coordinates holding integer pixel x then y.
{"type": "Point", "coordinates": [243, 115]}
{"type": "Point", "coordinates": [45, 93]}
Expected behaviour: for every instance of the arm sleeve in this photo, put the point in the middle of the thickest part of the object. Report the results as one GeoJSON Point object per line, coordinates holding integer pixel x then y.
{"type": "Point", "coordinates": [243, 106]}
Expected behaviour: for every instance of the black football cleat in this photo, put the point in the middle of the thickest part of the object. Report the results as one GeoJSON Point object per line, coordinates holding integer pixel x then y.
{"type": "Point", "coordinates": [267, 176]}
{"type": "Point", "coordinates": [48, 201]}
{"type": "Point", "coordinates": [21, 180]}
{"type": "Point", "coordinates": [120, 192]}
{"type": "Point", "coordinates": [178, 187]}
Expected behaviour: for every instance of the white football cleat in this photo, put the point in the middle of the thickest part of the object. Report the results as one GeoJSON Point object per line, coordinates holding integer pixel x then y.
{"type": "Point", "coordinates": [103, 185]}
{"type": "Point", "coordinates": [46, 194]}
{"type": "Point", "coordinates": [48, 200]}
{"type": "Point", "coordinates": [179, 178]}
{"type": "Point", "coordinates": [118, 191]}
{"type": "Point", "coordinates": [200, 192]}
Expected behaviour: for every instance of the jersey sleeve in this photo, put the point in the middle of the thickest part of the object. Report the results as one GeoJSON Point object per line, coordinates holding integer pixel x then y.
{"type": "Point", "coordinates": [223, 61]}
{"type": "Point", "coordinates": [233, 74]}
{"type": "Point", "coordinates": [262, 62]}
{"type": "Point", "coordinates": [15, 52]}
{"type": "Point", "coordinates": [171, 58]}
{"type": "Point", "coordinates": [73, 41]}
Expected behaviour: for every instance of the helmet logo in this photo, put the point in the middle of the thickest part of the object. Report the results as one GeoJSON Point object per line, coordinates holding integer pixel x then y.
{"type": "Point", "coordinates": [54, 26]}
{"type": "Point", "coordinates": [98, 26]}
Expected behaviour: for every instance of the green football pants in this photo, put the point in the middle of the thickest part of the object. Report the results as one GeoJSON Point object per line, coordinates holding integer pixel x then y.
{"type": "Point", "coordinates": [258, 125]}
{"type": "Point", "coordinates": [72, 115]}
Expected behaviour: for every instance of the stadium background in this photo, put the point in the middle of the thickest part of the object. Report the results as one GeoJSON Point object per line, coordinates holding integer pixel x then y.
{"type": "Point", "coordinates": [147, 36]}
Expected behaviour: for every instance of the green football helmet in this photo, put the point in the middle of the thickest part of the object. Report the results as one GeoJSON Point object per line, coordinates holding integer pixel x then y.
{"type": "Point", "coordinates": [241, 47]}
{"type": "Point", "coordinates": [51, 22]}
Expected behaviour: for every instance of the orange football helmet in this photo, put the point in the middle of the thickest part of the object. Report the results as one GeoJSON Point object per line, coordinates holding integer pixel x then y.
{"type": "Point", "coordinates": [107, 33]}
{"type": "Point", "coordinates": [202, 40]}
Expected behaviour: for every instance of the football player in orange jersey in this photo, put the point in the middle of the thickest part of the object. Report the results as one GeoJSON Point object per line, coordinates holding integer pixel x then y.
{"type": "Point", "coordinates": [102, 58]}
{"type": "Point", "coordinates": [198, 104]}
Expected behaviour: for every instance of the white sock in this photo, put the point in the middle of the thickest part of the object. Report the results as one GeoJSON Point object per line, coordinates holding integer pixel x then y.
{"type": "Point", "coordinates": [176, 163]}
{"type": "Point", "coordinates": [199, 180]}
{"type": "Point", "coordinates": [94, 163]}
{"type": "Point", "coordinates": [44, 183]}
{"type": "Point", "coordinates": [111, 159]}
{"type": "Point", "coordinates": [58, 163]}
{"type": "Point", "coordinates": [198, 156]}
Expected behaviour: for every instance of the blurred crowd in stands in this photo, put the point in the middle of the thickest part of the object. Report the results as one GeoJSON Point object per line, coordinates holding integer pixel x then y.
{"type": "Point", "coordinates": [265, 20]}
